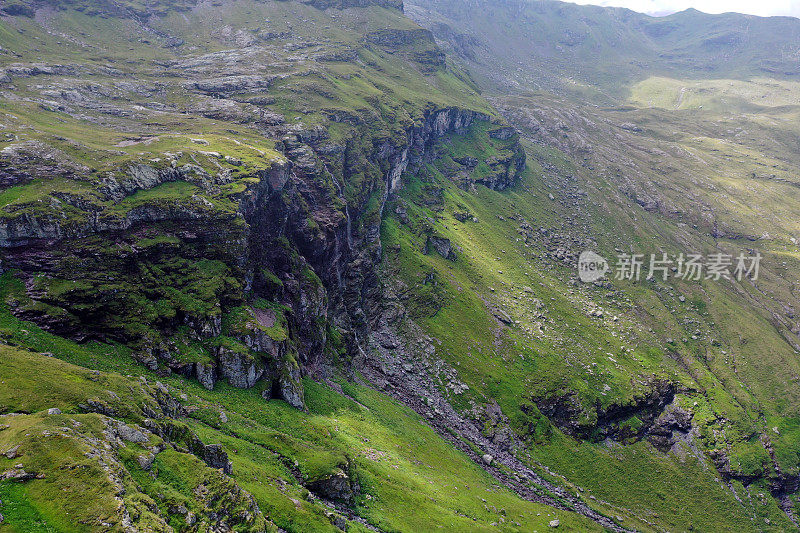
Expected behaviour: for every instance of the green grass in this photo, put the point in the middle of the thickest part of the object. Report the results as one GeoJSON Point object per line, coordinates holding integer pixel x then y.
{"type": "Point", "coordinates": [19, 513]}
{"type": "Point", "coordinates": [553, 346]}
{"type": "Point", "coordinates": [410, 478]}
{"type": "Point", "coordinates": [742, 182]}
{"type": "Point", "coordinates": [675, 491]}
{"type": "Point", "coordinates": [721, 96]}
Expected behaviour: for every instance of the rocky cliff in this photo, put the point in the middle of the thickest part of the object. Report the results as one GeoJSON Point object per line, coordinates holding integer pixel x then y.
{"type": "Point", "coordinates": [253, 277]}
{"type": "Point", "coordinates": [251, 259]}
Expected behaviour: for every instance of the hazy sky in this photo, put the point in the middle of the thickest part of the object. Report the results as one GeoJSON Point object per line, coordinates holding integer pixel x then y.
{"type": "Point", "coordinates": [753, 7]}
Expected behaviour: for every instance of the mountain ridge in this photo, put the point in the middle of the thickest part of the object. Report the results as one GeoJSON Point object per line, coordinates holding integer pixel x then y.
{"type": "Point", "coordinates": [593, 48]}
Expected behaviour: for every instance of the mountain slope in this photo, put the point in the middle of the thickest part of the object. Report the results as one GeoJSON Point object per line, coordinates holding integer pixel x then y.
{"type": "Point", "coordinates": [160, 452]}
{"type": "Point", "coordinates": [598, 53]}
{"type": "Point", "coordinates": [222, 227]}
{"type": "Point", "coordinates": [327, 285]}
{"type": "Point", "coordinates": [680, 161]}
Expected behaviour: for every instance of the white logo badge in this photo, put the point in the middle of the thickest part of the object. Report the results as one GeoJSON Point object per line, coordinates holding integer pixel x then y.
{"type": "Point", "coordinates": [592, 267]}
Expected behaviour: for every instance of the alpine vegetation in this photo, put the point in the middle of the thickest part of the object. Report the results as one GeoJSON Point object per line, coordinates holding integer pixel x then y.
{"type": "Point", "coordinates": [373, 265]}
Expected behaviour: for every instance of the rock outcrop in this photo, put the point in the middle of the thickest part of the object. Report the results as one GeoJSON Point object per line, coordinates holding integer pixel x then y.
{"type": "Point", "coordinates": [338, 487]}
{"type": "Point", "coordinates": [290, 240]}
{"type": "Point", "coordinates": [255, 266]}
{"type": "Point", "coordinates": [650, 411]}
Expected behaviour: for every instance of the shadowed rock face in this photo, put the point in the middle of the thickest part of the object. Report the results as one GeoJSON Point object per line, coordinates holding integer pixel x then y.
{"type": "Point", "coordinates": [337, 487]}
{"type": "Point", "coordinates": [325, 271]}
{"type": "Point", "coordinates": [601, 423]}
{"type": "Point", "coordinates": [442, 246]}
{"type": "Point", "coordinates": [165, 260]}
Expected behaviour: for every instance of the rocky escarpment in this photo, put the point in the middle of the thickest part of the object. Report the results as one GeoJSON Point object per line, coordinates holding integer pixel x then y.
{"type": "Point", "coordinates": [16, 158]}
{"type": "Point", "coordinates": [255, 287]}
{"type": "Point", "coordinates": [342, 246]}
{"type": "Point", "coordinates": [650, 415]}
{"type": "Point", "coordinates": [249, 261]}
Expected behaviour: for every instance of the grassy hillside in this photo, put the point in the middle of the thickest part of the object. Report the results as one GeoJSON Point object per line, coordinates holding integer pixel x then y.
{"type": "Point", "coordinates": [521, 332]}
{"type": "Point", "coordinates": [144, 166]}
{"type": "Point", "coordinates": [285, 266]}
{"type": "Point", "coordinates": [691, 153]}
{"type": "Point", "coordinates": [409, 478]}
